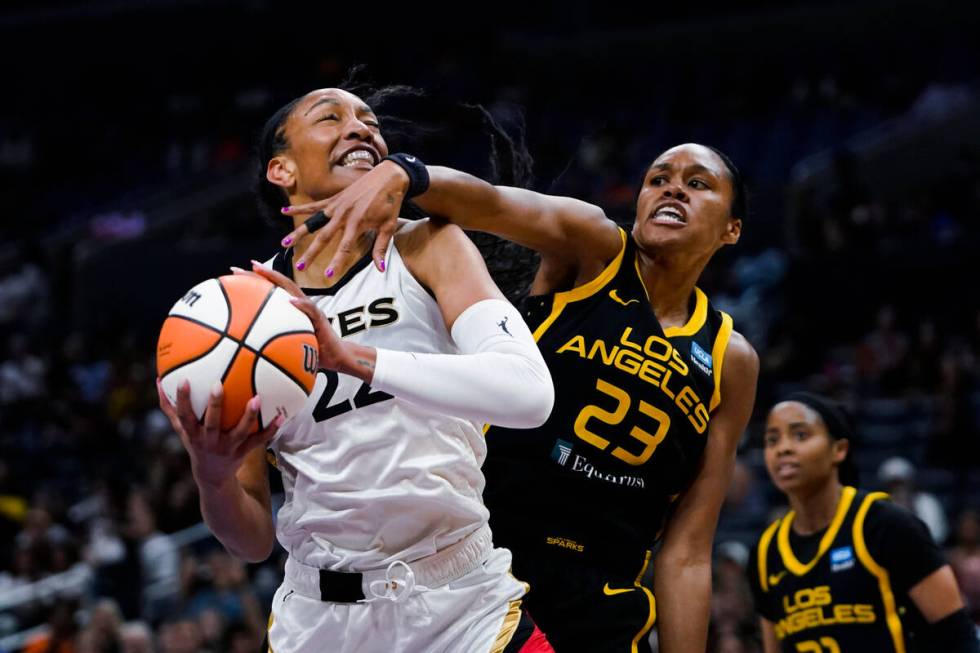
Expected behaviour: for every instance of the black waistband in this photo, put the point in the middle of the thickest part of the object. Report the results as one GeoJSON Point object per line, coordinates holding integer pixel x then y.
{"type": "Point", "coordinates": [341, 586]}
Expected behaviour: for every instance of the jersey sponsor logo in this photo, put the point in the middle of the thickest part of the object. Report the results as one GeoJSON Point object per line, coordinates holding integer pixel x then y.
{"type": "Point", "coordinates": [775, 578]}
{"type": "Point", "coordinates": [503, 325]}
{"type": "Point", "coordinates": [381, 312]}
{"type": "Point", "coordinates": [701, 358]}
{"type": "Point", "coordinates": [614, 295]}
{"type": "Point", "coordinates": [813, 607]}
{"type": "Point", "coordinates": [561, 451]}
{"type": "Point", "coordinates": [608, 591]}
{"type": "Point", "coordinates": [582, 465]}
{"type": "Point", "coordinates": [565, 543]}
{"type": "Point", "coordinates": [841, 558]}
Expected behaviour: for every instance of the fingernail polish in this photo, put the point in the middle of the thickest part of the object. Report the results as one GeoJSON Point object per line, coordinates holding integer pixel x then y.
{"type": "Point", "coordinates": [254, 403]}
{"type": "Point", "coordinates": [329, 272]}
{"type": "Point", "coordinates": [286, 209]}
{"type": "Point", "coordinates": [301, 265]}
{"type": "Point", "coordinates": [216, 389]}
{"type": "Point", "coordinates": [382, 265]}
{"type": "Point", "coordinates": [286, 242]}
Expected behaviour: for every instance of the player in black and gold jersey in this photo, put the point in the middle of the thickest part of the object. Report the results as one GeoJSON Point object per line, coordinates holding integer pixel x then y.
{"type": "Point", "coordinates": [845, 571]}
{"type": "Point", "coordinates": [653, 390]}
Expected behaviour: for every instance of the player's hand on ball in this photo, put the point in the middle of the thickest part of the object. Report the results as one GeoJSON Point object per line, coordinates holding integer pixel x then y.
{"type": "Point", "coordinates": [333, 353]}
{"type": "Point", "coordinates": [215, 455]}
{"type": "Point", "coordinates": [372, 203]}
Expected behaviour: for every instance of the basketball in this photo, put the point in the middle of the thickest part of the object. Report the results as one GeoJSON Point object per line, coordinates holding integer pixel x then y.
{"type": "Point", "coordinates": [240, 330]}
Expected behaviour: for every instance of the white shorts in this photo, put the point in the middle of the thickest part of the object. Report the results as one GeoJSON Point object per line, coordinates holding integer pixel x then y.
{"type": "Point", "coordinates": [477, 612]}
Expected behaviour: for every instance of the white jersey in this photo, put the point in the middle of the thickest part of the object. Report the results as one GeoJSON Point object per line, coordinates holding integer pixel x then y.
{"type": "Point", "coordinates": [370, 478]}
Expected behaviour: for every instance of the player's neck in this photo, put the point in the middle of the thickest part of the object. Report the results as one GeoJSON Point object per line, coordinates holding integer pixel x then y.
{"type": "Point", "coordinates": [669, 284]}
{"type": "Point", "coordinates": [815, 510]}
{"type": "Point", "coordinates": [314, 275]}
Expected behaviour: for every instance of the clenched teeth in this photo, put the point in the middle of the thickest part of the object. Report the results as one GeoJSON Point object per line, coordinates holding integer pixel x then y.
{"type": "Point", "coordinates": [668, 213]}
{"type": "Point", "coordinates": [357, 156]}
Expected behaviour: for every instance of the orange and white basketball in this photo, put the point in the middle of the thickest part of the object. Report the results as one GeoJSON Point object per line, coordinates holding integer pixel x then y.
{"type": "Point", "coordinates": [242, 331]}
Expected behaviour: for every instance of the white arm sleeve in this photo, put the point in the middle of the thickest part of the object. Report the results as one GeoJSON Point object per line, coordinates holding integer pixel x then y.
{"type": "Point", "coordinates": [499, 377]}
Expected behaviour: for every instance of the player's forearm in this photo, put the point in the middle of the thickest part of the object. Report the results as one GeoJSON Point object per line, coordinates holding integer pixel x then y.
{"type": "Point", "coordinates": [683, 592]}
{"type": "Point", "coordinates": [240, 522]}
{"type": "Point", "coordinates": [515, 214]}
{"type": "Point", "coordinates": [461, 198]}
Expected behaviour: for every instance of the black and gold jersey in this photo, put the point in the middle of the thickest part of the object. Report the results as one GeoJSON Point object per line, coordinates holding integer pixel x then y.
{"type": "Point", "coordinates": [844, 590]}
{"type": "Point", "coordinates": [626, 435]}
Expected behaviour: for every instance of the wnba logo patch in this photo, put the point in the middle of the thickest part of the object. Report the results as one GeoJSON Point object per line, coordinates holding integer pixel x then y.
{"type": "Point", "coordinates": [561, 452]}
{"type": "Point", "coordinates": [841, 558]}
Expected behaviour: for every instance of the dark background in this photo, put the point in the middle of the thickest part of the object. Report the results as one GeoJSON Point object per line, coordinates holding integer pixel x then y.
{"type": "Point", "coordinates": [126, 131]}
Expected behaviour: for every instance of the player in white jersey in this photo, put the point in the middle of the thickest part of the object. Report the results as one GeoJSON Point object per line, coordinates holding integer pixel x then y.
{"type": "Point", "coordinates": [389, 548]}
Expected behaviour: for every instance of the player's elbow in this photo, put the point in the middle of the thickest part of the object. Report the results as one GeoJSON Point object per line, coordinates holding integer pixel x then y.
{"type": "Point", "coordinates": [534, 400]}
{"type": "Point", "coordinates": [252, 551]}
{"type": "Point", "coordinates": [683, 556]}
{"type": "Point", "coordinates": [542, 401]}
{"type": "Point", "coordinates": [253, 555]}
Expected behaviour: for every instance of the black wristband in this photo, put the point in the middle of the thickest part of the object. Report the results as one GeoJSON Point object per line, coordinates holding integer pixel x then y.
{"type": "Point", "coordinates": [954, 633]}
{"type": "Point", "coordinates": [418, 175]}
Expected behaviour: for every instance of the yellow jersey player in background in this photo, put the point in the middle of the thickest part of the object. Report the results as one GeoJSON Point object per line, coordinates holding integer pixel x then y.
{"type": "Point", "coordinates": [845, 571]}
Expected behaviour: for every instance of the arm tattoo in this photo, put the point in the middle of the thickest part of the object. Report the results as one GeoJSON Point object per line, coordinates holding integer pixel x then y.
{"type": "Point", "coordinates": [363, 363]}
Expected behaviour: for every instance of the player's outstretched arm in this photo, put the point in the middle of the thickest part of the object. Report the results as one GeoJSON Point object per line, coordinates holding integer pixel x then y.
{"type": "Point", "coordinates": [568, 233]}
{"type": "Point", "coordinates": [553, 226]}
{"type": "Point", "coordinates": [682, 569]}
{"type": "Point", "coordinates": [229, 468]}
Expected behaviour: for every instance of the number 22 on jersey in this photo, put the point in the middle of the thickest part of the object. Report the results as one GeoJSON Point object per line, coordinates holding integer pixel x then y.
{"type": "Point", "coordinates": [364, 396]}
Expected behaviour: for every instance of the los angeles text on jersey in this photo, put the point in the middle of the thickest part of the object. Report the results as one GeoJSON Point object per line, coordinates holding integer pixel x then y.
{"type": "Point", "coordinates": [655, 361]}
{"type": "Point", "coordinates": [814, 606]}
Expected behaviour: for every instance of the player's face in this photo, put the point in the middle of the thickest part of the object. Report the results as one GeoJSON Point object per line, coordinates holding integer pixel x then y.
{"type": "Point", "coordinates": [685, 203]}
{"type": "Point", "coordinates": [800, 454]}
{"type": "Point", "coordinates": [334, 138]}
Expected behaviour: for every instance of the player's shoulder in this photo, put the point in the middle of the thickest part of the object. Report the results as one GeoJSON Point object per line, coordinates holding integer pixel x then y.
{"type": "Point", "coordinates": [885, 520]}
{"type": "Point", "coordinates": [439, 254]}
{"type": "Point", "coordinates": [740, 371]}
{"type": "Point", "coordinates": [884, 513]}
{"type": "Point", "coordinates": [416, 236]}
{"type": "Point", "coordinates": [741, 351]}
